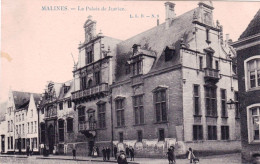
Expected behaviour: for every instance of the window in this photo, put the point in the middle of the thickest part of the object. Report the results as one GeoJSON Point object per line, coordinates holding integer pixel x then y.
{"type": "Point", "coordinates": [8, 138]}
{"type": "Point", "coordinates": [197, 132]}
{"type": "Point", "coordinates": [28, 128]}
{"type": "Point", "coordinates": [102, 115]}
{"type": "Point", "coordinates": [224, 132]}
{"type": "Point", "coordinates": [207, 36]}
{"type": "Point", "coordinates": [121, 136]}
{"type": "Point", "coordinates": [212, 132]}
{"type": "Point", "coordinates": [138, 109]}
{"type": "Point", "coordinates": [160, 105]}
{"type": "Point", "coordinates": [169, 52]}
{"type": "Point", "coordinates": [22, 117]}
{"type": "Point", "coordinates": [23, 128]}
{"type": "Point", "coordinates": [201, 62]}
{"type": "Point", "coordinates": [23, 143]}
{"type": "Point", "coordinates": [8, 126]}
{"type": "Point", "coordinates": [12, 143]}
{"type": "Point", "coordinates": [11, 126]}
{"type": "Point", "coordinates": [209, 60]}
{"type": "Point", "coordinates": [35, 127]}
{"type": "Point", "coordinates": [61, 105]}
{"type": "Point", "coordinates": [120, 112]}
{"type": "Point", "coordinates": [83, 82]}
{"type": "Point", "coordinates": [19, 129]}
{"type": "Point", "coordinates": [236, 99]}
{"type": "Point", "coordinates": [31, 127]}
{"type": "Point", "coordinates": [161, 135]}
{"type": "Point", "coordinates": [97, 77]}
{"type": "Point", "coordinates": [89, 57]}
{"type": "Point", "coordinates": [19, 117]}
{"type": "Point", "coordinates": [69, 104]}
{"type": "Point", "coordinates": [16, 129]}
{"type": "Point", "coordinates": [252, 73]}
{"type": "Point", "coordinates": [211, 101]}
{"type": "Point", "coordinates": [216, 65]}
{"type": "Point", "coordinates": [223, 103]}
{"type": "Point", "coordinates": [139, 136]}
{"type": "Point", "coordinates": [61, 130]}
{"type": "Point", "coordinates": [81, 114]}
{"type": "Point", "coordinates": [137, 67]}
{"type": "Point", "coordinates": [70, 125]}
{"type": "Point", "coordinates": [253, 118]}
{"type": "Point", "coordinates": [196, 99]}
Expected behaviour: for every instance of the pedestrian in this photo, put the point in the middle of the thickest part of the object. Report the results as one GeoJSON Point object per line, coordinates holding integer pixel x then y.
{"type": "Point", "coordinates": [170, 156]}
{"type": "Point", "coordinates": [122, 158]}
{"type": "Point", "coordinates": [115, 152]}
{"type": "Point", "coordinates": [97, 151]}
{"type": "Point", "coordinates": [104, 154]}
{"type": "Point", "coordinates": [94, 152]}
{"type": "Point", "coordinates": [190, 155]}
{"type": "Point", "coordinates": [127, 151]}
{"type": "Point", "coordinates": [132, 153]}
{"type": "Point", "coordinates": [74, 152]}
{"type": "Point", "coordinates": [173, 153]}
{"type": "Point", "coordinates": [27, 150]}
{"type": "Point", "coordinates": [108, 153]}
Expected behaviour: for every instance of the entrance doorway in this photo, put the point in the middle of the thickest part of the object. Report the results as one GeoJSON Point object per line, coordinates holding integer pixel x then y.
{"type": "Point", "coordinates": [51, 138]}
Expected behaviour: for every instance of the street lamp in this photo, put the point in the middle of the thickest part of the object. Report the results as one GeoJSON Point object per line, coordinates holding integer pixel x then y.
{"type": "Point", "coordinates": [230, 103]}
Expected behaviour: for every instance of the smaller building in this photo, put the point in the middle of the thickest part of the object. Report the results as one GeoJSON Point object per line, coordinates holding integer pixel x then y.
{"type": "Point", "coordinates": [248, 61]}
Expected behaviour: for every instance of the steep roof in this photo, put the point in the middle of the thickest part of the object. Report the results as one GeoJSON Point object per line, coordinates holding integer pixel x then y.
{"type": "Point", "coordinates": [155, 40]}
{"type": "Point", "coordinates": [253, 27]}
{"type": "Point", "coordinates": [21, 98]}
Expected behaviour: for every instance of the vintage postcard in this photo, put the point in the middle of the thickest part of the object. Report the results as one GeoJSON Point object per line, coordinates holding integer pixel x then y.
{"type": "Point", "coordinates": [130, 82]}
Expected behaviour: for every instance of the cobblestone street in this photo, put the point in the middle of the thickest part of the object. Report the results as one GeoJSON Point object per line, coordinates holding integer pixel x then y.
{"type": "Point", "coordinates": [217, 159]}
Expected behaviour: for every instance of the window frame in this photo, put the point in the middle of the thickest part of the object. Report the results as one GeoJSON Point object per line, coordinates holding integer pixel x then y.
{"type": "Point", "coordinates": [211, 135]}
{"type": "Point", "coordinates": [70, 124]}
{"type": "Point", "coordinates": [159, 134]}
{"type": "Point", "coordinates": [249, 108]}
{"type": "Point", "coordinates": [210, 112]}
{"type": "Point", "coordinates": [225, 132]}
{"type": "Point", "coordinates": [159, 103]}
{"type": "Point", "coordinates": [61, 129]}
{"type": "Point", "coordinates": [196, 113]}
{"type": "Point", "coordinates": [138, 108]}
{"type": "Point", "coordinates": [199, 132]}
{"type": "Point", "coordinates": [139, 135]}
{"type": "Point", "coordinates": [101, 109]}
{"type": "Point", "coordinates": [120, 112]}
{"type": "Point", "coordinates": [224, 111]}
{"type": "Point", "coordinates": [247, 74]}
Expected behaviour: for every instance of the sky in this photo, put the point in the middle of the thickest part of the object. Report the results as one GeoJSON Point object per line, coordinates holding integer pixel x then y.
{"type": "Point", "coordinates": [36, 44]}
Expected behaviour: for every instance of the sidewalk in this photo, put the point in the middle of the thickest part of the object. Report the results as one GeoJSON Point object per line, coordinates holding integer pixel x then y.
{"type": "Point", "coordinates": [215, 159]}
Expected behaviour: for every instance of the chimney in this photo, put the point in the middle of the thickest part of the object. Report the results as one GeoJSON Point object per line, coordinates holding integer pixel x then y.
{"type": "Point", "coordinates": [169, 13]}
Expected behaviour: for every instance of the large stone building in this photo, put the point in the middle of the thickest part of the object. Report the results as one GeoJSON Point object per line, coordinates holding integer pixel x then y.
{"type": "Point", "coordinates": [169, 85]}
{"type": "Point", "coordinates": [248, 60]}
{"type": "Point", "coordinates": [172, 85]}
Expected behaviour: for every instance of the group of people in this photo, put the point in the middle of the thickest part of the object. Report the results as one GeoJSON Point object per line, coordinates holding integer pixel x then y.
{"type": "Point", "coordinates": [106, 153]}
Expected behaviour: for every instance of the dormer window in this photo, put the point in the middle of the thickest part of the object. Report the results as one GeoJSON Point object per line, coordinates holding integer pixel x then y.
{"type": "Point", "coordinates": [137, 67]}
{"type": "Point", "coordinates": [89, 57]}
{"type": "Point", "coordinates": [169, 52]}
{"type": "Point", "coordinates": [66, 89]}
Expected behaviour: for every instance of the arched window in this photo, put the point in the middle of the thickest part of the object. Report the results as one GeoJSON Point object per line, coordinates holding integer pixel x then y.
{"type": "Point", "coordinates": [61, 130]}
{"type": "Point", "coordinates": [253, 122]}
{"type": "Point", "coordinates": [252, 72]}
{"type": "Point", "coordinates": [89, 83]}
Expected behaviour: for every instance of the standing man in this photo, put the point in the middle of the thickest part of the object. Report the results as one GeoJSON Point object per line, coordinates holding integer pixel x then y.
{"type": "Point", "coordinates": [104, 153]}
{"type": "Point", "coordinates": [115, 152]}
{"type": "Point", "coordinates": [74, 152]}
{"type": "Point", "coordinates": [127, 151]}
{"type": "Point", "coordinates": [108, 153]}
{"type": "Point", "coordinates": [132, 153]}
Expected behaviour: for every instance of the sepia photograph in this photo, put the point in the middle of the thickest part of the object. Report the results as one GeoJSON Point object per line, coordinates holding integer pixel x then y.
{"type": "Point", "coordinates": [130, 82]}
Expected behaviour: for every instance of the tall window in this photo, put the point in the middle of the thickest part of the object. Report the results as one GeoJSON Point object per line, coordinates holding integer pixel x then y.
{"type": "Point", "coordinates": [196, 99]}
{"type": "Point", "coordinates": [121, 136]}
{"type": "Point", "coordinates": [28, 127]}
{"type": "Point", "coordinates": [61, 105]}
{"type": "Point", "coordinates": [211, 101]}
{"type": "Point", "coordinates": [8, 138]}
{"type": "Point", "coordinates": [161, 135]}
{"type": "Point", "coordinates": [23, 128]}
{"type": "Point", "coordinates": [138, 109]}
{"type": "Point", "coordinates": [212, 132]}
{"type": "Point", "coordinates": [237, 111]}
{"type": "Point", "coordinates": [31, 127]}
{"type": "Point", "coordinates": [137, 67]}
{"type": "Point", "coordinates": [12, 144]}
{"type": "Point", "coordinates": [223, 103]}
{"type": "Point", "coordinates": [160, 105]}
{"type": "Point", "coordinates": [201, 62]}
{"type": "Point", "coordinates": [11, 126]}
{"type": "Point", "coordinates": [8, 126]}
{"type": "Point", "coordinates": [19, 129]}
{"type": "Point", "coordinates": [35, 127]}
{"type": "Point", "coordinates": [207, 35]}
{"type": "Point", "coordinates": [81, 114]}
{"type": "Point", "coordinates": [209, 60]}
{"type": "Point", "coordinates": [120, 112]}
{"type": "Point", "coordinates": [61, 130]}
{"type": "Point", "coordinates": [89, 57]}
{"type": "Point", "coordinates": [224, 132]}
{"type": "Point", "coordinates": [69, 104]}
{"type": "Point", "coordinates": [97, 77]}
{"type": "Point", "coordinates": [83, 82]}
{"type": "Point", "coordinates": [16, 129]}
{"type": "Point", "coordinates": [102, 115]}
{"type": "Point", "coordinates": [217, 65]}
{"type": "Point", "coordinates": [22, 117]}
{"type": "Point", "coordinates": [253, 122]}
{"type": "Point", "coordinates": [197, 132]}
{"type": "Point", "coordinates": [253, 73]}
{"type": "Point", "coordinates": [139, 135]}
{"type": "Point", "coordinates": [70, 125]}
